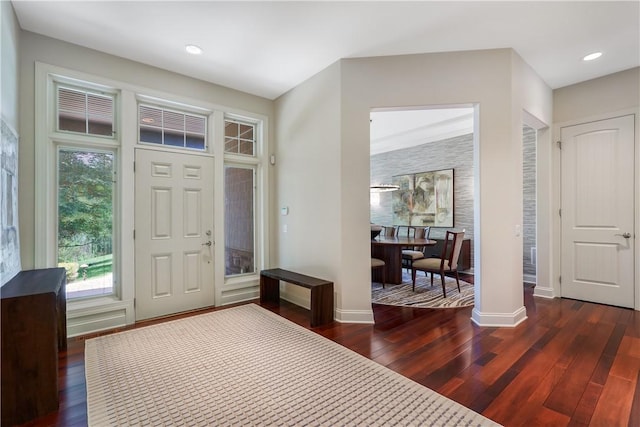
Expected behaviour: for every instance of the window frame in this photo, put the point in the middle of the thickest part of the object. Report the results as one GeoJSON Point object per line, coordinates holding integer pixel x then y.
{"type": "Point", "coordinates": [169, 106]}
{"type": "Point", "coordinates": [88, 89]}
{"type": "Point", "coordinates": [86, 316]}
{"type": "Point", "coordinates": [254, 169]}
{"type": "Point", "coordinates": [260, 215]}
{"type": "Point", "coordinates": [48, 139]}
{"type": "Point", "coordinates": [242, 121]}
{"type": "Point", "coordinates": [115, 207]}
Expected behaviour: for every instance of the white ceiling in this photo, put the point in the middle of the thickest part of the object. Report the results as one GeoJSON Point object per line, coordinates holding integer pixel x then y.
{"type": "Point", "coordinates": [266, 48]}
{"type": "Point", "coordinates": [398, 129]}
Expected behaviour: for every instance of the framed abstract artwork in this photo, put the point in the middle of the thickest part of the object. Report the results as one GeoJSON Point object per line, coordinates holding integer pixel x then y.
{"type": "Point", "coordinates": [424, 199]}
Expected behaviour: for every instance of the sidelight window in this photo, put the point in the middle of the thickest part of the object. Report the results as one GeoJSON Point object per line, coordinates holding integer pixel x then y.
{"type": "Point", "coordinates": [86, 190]}
{"type": "Point", "coordinates": [239, 219]}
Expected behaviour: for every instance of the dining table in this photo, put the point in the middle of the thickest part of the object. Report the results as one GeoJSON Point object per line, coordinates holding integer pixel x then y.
{"type": "Point", "coordinates": [389, 249]}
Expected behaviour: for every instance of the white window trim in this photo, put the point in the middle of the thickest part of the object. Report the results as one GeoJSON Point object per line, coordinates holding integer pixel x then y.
{"type": "Point", "coordinates": [117, 291]}
{"type": "Point", "coordinates": [167, 105]}
{"type": "Point", "coordinates": [259, 162]}
{"type": "Point", "coordinates": [126, 131]}
{"type": "Point", "coordinates": [257, 137]}
{"type": "Point", "coordinates": [238, 278]}
{"type": "Point", "coordinates": [89, 88]}
{"type": "Point", "coordinates": [47, 141]}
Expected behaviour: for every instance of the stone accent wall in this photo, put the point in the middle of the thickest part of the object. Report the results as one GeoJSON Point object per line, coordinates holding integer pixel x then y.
{"type": "Point", "coordinates": [529, 200]}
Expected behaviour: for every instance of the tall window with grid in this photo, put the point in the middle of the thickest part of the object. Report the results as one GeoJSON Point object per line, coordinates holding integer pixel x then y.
{"type": "Point", "coordinates": [86, 189]}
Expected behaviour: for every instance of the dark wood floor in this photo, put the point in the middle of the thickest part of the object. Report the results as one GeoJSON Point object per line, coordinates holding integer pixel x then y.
{"type": "Point", "coordinates": [570, 363]}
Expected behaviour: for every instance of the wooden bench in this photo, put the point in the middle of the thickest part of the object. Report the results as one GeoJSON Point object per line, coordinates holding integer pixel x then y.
{"type": "Point", "coordinates": [321, 292]}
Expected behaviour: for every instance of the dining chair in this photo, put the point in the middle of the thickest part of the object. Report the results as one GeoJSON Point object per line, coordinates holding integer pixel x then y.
{"type": "Point", "coordinates": [389, 230]}
{"type": "Point", "coordinates": [447, 263]}
{"type": "Point", "coordinates": [375, 230]}
{"type": "Point", "coordinates": [378, 263]}
{"type": "Point", "coordinates": [403, 230]}
{"type": "Point", "coordinates": [411, 254]}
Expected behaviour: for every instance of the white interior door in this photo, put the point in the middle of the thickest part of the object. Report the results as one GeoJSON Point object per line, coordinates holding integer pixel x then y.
{"type": "Point", "coordinates": [598, 211]}
{"type": "Point", "coordinates": [173, 233]}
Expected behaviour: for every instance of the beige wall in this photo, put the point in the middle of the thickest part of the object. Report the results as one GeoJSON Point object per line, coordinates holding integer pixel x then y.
{"type": "Point", "coordinates": [497, 81]}
{"type": "Point", "coordinates": [35, 48]}
{"type": "Point", "coordinates": [603, 95]}
{"type": "Point", "coordinates": [533, 105]}
{"type": "Point", "coordinates": [501, 85]}
{"type": "Point", "coordinates": [309, 180]}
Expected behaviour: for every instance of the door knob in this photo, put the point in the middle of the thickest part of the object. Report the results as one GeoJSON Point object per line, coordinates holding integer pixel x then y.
{"type": "Point", "coordinates": [625, 235]}
{"type": "Point", "coordinates": [207, 244]}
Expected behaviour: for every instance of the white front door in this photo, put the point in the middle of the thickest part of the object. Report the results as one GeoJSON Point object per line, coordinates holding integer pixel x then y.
{"type": "Point", "coordinates": [598, 211]}
{"type": "Point", "coordinates": [173, 233]}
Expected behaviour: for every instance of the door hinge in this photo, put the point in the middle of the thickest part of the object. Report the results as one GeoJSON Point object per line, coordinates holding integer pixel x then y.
{"type": "Point", "coordinates": [134, 303]}
{"type": "Point", "coordinates": [134, 167]}
{"type": "Point", "coordinates": [560, 279]}
{"type": "Point", "coordinates": [559, 144]}
{"type": "Point", "coordinates": [560, 212]}
{"type": "Point", "coordinates": [134, 234]}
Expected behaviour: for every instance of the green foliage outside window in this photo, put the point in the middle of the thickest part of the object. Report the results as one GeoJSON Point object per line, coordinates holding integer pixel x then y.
{"type": "Point", "coordinates": [85, 207]}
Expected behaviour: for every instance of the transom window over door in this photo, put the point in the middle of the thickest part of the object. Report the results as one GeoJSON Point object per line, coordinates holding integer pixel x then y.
{"type": "Point", "coordinates": [239, 137]}
{"type": "Point", "coordinates": [172, 128]}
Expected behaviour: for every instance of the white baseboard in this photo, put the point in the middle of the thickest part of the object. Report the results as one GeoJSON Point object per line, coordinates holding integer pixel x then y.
{"type": "Point", "coordinates": [499, 319]}
{"type": "Point", "coordinates": [232, 296]}
{"type": "Point", "coordinates": [89, 320]}
{"type": "Point", "coordinates": [342, 316]}
{"type": "Point", "coordinates": [354, 316]}
{"type": "Point", "coordinates": [543, 292]}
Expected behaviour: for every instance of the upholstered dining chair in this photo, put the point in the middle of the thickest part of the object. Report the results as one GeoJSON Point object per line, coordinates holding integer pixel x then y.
{"type": "Point", "coordinates": [378, 263]}
{"type": "Point", "coordinates": [411, 254]}
{"type": "Point", "coordinates": [447, 263]}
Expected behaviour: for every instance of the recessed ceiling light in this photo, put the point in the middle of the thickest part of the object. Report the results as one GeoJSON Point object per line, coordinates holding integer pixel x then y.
{"type": "Point", "coordinates": [193, 49]}
{"type": "Point", "coordinates": [592, 56]}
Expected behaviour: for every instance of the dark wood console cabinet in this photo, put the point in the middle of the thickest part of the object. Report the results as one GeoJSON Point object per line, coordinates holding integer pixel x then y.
{"type": "Point", "coordinates": [464, 262]}
{"type": "Point", "coordinates": [34, 328]}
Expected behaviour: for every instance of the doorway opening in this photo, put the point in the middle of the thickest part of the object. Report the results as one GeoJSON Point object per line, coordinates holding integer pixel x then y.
{"type": "Point", "coordinates": [411, 142]}
{"type": "Point", "coordinates": [529, 205]}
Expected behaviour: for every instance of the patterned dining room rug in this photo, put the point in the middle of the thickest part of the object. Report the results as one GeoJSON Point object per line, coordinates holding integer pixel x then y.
{"type": "Point", "coordinates": [425, 295]}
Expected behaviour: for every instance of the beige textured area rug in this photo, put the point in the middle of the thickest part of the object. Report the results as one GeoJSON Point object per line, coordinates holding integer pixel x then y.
{"type": "Point", "coordinates": [247, 366]}
{"type": "Point", "coordinates": [425, 295]}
